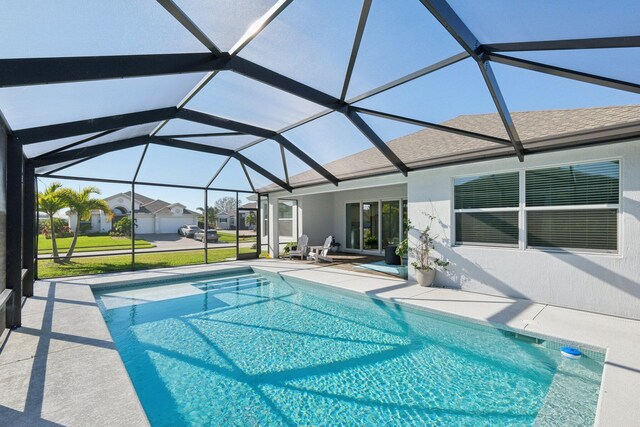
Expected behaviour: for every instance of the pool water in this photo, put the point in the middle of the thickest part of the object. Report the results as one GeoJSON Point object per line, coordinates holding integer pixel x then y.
{"type": "Point", "coordinates": [242, 349]}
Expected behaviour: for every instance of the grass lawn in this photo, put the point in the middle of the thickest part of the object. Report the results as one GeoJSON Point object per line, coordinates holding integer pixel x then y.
{"type": "Point", "coordinates": [109, 264]}
{"type": "Point", "coordinates": [91, 243]}
{"type": "Point", "coordinates": [229, 236]}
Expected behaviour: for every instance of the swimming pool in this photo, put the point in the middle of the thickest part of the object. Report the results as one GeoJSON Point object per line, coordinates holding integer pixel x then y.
{"type": "Point", "coordinates": [244, 349]}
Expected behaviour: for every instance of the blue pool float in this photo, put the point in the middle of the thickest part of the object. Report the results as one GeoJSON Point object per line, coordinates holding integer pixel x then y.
{"type": "Point", "coordinates": [571, 352]}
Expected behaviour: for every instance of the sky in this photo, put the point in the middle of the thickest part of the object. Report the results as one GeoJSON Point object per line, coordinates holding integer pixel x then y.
{"type": "Point", "coordinates": [310, 42]}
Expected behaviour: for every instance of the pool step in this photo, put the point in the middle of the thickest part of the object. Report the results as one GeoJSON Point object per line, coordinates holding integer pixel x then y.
{"type": "Point", "coordinates": [565, 403]}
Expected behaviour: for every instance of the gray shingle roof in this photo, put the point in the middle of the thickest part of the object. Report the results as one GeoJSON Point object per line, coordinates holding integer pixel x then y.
{"type": "Point", "coordinates": [139, 197]}
{"type": "Point", "coordinates": [155, 205]}
{"type": "Point", "coordinates": [149, 205]}
{"type": "Point", "coordinates": [428, 146]}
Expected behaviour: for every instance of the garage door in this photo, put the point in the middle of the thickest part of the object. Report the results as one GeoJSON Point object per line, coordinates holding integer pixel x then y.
{"type": "Point", "coordinates": [145, 225]}
{"type": "Point", "coordinates": [171, 225]}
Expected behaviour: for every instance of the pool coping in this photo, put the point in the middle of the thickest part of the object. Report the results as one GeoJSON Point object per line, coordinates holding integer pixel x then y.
{"type": "Point", "coordinates": [619, 337]}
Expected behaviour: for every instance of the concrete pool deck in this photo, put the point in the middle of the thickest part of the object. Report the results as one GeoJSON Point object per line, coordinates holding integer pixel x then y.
{"type": "Point", "coordinates": [61, 367]}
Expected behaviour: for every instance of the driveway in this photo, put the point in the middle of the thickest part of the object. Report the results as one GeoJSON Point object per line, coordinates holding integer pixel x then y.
{"type": "Point", "coordinates": [170, 241]}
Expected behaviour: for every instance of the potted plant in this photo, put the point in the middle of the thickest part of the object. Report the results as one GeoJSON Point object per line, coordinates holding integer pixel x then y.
{"type": "Point", "coordinates": [401, 251]}
{"type": "Point", "coordinates": [335, 247]}
{"type": "Point", "coordinates": [290, 246]}
{"type": "Point", "coordinates": [426, 267]}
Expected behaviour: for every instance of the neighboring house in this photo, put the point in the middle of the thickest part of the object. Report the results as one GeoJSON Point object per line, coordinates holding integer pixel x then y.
{"type": "Point", "coordinates": [152, 216]}
{"type": "Point", "coordinates": [244, 224]}
{"type": "Point", "coordinates": [227, 220]}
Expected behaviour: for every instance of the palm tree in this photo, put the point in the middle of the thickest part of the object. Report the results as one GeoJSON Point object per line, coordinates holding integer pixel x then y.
{"type": "Point", "coordinates": [50, 202]}
{"type": "Point", "coordinates": [212, 214]}
{"type": "Point", "coordinates": [81, 203]}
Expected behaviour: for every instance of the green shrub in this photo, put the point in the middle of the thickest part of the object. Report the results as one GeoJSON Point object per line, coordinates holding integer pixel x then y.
{"type": "Point", "coordinates": [371, 241]}
{"type": "Point", "coordinates": [60, 225]}
{"type": "Point", "coordinates": [289, 246]}
{"type": "Point", "coordinates": [123, 226]}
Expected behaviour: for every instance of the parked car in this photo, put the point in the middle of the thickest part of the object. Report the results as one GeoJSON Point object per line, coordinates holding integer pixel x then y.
{"type": "Point", "coordinates": [212, 236]}
{"type": "Point", "coordinates": [188, 230]}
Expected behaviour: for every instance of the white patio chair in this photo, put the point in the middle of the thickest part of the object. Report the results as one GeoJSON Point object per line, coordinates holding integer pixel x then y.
{"type": "Point", "coordinates": [302, 248]}
{"type": "Point", "coordinates": [319, 253]}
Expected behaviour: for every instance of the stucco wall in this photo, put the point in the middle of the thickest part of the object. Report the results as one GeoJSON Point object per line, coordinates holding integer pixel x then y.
{"type": "Point", "coordinates": [607, 283]}
{"type": "Point", "coordinates": [3, 220]}
{"type": "Point", "coordinates": [316, 216]}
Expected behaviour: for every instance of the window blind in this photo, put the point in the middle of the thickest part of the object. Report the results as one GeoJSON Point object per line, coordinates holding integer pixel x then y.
{"type": "Point", "coordinates": [500, 228]}
{"type": "Point", "coordinates": [487, 191]}
{"type": "Point", "coordinates": [569, 207]}
{"type": "Point", "coordinates": [595, 229]}
{"type": "Point", "coordinates": [583, 184]}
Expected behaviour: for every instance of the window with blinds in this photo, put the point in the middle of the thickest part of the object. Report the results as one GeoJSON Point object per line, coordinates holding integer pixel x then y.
{"type": "Point", "coordinates": [573, 207]}
{"type": "Point", "coordinates": [487, 209]}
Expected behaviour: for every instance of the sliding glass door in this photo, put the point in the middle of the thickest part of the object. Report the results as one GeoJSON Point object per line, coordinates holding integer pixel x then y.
{"type": "Point", "coordinates": [353, 226]}
{"type": "Point", "coordinates": [370, 225]}
{"type": "Point", "coordinates": [373, 225]}
{"type": "Point", "coordinates": [390, 223]}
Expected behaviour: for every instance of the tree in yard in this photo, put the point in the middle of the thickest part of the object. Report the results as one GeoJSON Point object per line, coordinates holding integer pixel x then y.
{"type": "Point", "coordinates": [81, 203]}
{"type": "Point", "coordinates": [225, 204]}
{"type": "Point", "coordinates": [50, 202]}
{"type": "Point", "coordinates": [250, 220]}
{"type": "Point", "coordinates": [212, 215]}
{"type": "Point", "coordinates": [123, 225]}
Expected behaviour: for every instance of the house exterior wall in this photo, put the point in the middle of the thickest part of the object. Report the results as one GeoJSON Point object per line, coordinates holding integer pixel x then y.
{"type": "Point", "coordinates": [599, 282]}
{"type": "Point", "coordinates": [222, 221]}
{"type": "Point", "coordinates": [316, 217]}
{"type": "Point", "coordinates": [607, 283]}
{"type": "Point", "coordinates": [99, 222]}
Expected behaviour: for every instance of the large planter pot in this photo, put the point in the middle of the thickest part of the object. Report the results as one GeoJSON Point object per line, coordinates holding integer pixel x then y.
{"type": "Point", "coordinates": [425, 277]}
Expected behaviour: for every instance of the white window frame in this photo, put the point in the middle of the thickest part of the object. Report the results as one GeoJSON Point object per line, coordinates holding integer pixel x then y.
{"type": "Point", "coordinates": [454, 241]}
{"type": "Point", "coordinates": [602, 206]}
{"type": "Point", "coordinates": [295, 223]}
{"type": "Point", "coordinates": [523, 209]}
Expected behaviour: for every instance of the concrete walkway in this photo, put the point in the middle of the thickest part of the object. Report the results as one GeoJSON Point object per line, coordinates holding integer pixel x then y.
{"type": "Point", "coordinates": [61, 367]}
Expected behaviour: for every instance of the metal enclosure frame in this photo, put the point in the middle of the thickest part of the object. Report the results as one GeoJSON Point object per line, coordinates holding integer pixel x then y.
{"type": "Point", "coordinates": [22, 172]}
